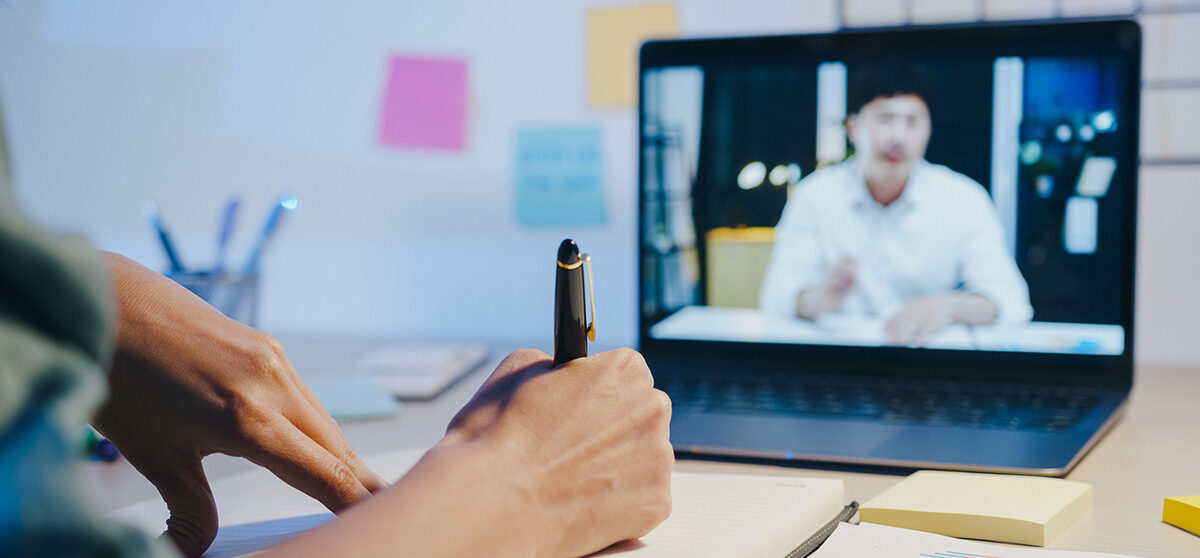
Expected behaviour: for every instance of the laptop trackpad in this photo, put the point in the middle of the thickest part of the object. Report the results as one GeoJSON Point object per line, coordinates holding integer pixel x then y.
{"type": "Point", "coordinates": [798, 435]}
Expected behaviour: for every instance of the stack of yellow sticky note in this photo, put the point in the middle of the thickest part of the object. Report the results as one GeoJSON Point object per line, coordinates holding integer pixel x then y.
{"type": "Point", "coordinates": [1005, 508]}
{"type": "Point", "coordinates": [1183, 512]}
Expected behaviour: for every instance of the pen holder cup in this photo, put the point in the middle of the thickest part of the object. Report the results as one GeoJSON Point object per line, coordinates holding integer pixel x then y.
{"type": "Point", "coordinates": [234, 294]}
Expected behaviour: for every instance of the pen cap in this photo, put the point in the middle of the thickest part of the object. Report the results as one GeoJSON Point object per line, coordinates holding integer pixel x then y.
{"type": "Point", "coordinates": [570, 258]}
{"type": "Point", "coordinates": [568, 252]}
{"type": "Point", "coordinates": [571, 330]}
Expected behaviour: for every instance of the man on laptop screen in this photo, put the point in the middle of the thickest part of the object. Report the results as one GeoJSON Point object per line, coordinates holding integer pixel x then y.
{"type": "Point", "coordinates": [905, 247]}
{"type": "Point", "coordinates": [887, 235]}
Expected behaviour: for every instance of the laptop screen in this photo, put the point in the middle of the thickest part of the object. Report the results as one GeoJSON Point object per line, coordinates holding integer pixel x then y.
{"type": "Point", "coordinates": [954, 195]}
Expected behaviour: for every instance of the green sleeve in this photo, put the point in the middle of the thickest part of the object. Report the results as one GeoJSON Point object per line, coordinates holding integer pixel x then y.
{"type": "Point", "coordinates": [56, 327]}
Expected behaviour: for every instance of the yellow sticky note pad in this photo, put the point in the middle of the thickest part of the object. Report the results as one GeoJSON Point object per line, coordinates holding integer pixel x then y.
{"type": "Point", "coordinates": [1183, 512]}
{"type": "Point", "coordinates": [1005, 508]}
{"type": "Point", "coordinates": [614, 35]}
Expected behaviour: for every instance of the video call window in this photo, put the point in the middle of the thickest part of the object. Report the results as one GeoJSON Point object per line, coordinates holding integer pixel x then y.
{"type": "Point", "coordinates": [962, 204]}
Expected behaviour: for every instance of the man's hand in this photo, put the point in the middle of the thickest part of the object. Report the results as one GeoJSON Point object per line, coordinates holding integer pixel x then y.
{"type": "Point", "coordinates": [922, 317]}
{"type": "Point", "coordinates": [828, 298]}
{"type": "Point", "coordinates": [591, 438]}
{"type": "Point", "coordinates": [919, 319]}
{"type": "Point", "coordinates": [188, 382]}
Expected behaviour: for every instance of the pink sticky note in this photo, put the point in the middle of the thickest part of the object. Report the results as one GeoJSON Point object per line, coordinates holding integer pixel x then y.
{"type": "Point", "coordinates": [425, 103]}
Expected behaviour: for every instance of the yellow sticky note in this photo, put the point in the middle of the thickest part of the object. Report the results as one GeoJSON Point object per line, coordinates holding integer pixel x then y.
{"type": "Point", "coordinates": [614, 35]}
{"type": "Point", "coordinates": [1005, 508]}
{"type": "Point", "coordinates": [1183, 512]}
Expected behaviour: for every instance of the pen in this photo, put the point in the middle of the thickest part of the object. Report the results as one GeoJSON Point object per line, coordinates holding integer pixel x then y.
{"type": "Point", "coordinates": [154, 217]}
{"type": "Point", "coordinates": [98, 447]}
{"type": "Point", "coordinates": [286, 203]}
{"type": "Point", "coordinates": [227, 221]}
{"type": "Point", "coordinates": [817, 539]}
{"type": "Point", "coordinates": [571, 329]}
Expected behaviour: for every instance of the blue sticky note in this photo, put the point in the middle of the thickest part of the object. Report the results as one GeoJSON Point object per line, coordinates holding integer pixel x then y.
{"type": "Point", "coordinates": [558, 177]}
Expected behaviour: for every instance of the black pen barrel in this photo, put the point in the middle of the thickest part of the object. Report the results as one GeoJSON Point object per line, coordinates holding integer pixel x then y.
{"type": "Point", "coordinates": [570, 323]}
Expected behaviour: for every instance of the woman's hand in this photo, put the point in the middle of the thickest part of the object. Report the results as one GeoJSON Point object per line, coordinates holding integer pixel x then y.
{"type": "Point", "coordinates": [188, 382]}
{"type": "Point", "coordinates": [542, 463]}
{"type": "Point", "coordinates": [591, 439]}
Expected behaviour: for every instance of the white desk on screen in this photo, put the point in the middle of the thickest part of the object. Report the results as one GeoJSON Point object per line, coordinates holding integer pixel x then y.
{"type": "Point", "coordinates": [753, 325]}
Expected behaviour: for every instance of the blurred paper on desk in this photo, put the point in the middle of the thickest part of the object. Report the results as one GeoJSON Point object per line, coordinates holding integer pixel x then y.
{"type": "Point", "coordinates": [354, 398]}
{"type": "Point", "coordinates": [420, 370]}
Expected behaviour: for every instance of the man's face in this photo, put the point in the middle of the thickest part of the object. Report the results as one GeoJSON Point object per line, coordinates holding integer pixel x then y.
{"type": "Point", "coordinates": [890, 134]}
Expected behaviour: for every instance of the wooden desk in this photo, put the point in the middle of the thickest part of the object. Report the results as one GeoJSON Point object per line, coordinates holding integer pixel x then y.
{"type": "Point", "coordinates": [1152, 452]}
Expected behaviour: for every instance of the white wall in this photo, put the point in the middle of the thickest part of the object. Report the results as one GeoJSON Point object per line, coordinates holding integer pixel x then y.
{"type": "Point", "coordinates": [109, 103]}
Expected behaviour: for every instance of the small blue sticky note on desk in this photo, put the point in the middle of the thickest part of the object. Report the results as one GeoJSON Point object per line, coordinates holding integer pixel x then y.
{"type": "Point", "coordinates": [354, 398]}
{"type": "Point", "coordinates": [558, 177]}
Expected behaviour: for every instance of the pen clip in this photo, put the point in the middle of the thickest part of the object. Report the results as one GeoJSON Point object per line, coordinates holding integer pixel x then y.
{"type": "Point", "coordinates": [591, 328]}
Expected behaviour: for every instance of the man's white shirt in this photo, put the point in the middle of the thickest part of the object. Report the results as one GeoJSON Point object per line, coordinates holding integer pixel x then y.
{"type": "Point", "coordinates": [942, 234]}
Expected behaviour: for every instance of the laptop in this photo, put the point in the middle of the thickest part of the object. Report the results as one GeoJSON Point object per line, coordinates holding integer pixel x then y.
{"type": "Point", "coordinates": [902, 247]}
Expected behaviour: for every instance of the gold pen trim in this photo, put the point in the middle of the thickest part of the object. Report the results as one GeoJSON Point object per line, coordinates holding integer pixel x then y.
{"type": "Point", "coordinates": [591, 329]}
{"type": "Point", "coordinates": [586, 259]}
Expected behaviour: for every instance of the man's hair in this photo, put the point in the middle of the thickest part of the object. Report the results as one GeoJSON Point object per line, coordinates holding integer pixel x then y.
{"type": "Point", "coordinates": [884, 82]}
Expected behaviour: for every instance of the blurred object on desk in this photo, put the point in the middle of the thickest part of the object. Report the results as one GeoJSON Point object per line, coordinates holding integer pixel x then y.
{"type": "Point", "coordinates": [354, 398]}
{"type": "Point", "coordinates": [1183, 512]}
{"type": "Point", "coordinates": [421, 370]}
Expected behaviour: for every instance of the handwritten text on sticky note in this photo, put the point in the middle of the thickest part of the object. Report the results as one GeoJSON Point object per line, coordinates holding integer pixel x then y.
{"type": "Point", "coordinates": [558, 177]}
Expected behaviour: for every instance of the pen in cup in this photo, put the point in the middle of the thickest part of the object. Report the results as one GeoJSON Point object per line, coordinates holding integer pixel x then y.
{"type": "Point", "coordinates": [571, 328]}
{"type": "Point", "coordinates": [285, 204]}
{"type": "Point", "coordinates": [228, 218]}
{"type": "Point", "coordinates": [153, 216]}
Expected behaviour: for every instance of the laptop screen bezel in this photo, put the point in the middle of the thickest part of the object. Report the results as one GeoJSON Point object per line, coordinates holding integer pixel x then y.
{"type": "Point", "coordinates": [1120, 38]}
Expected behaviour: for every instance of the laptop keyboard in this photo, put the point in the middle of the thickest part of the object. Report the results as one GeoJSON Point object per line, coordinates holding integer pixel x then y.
{"type": "Point", "coordinates": [933, 402]}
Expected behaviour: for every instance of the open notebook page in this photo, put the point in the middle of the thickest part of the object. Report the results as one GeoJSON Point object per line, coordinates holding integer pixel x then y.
{"type": "Point", "coordinates": [881, 541]}
{"type": "Point", "coordinates": [738, 516]}
{"type": "Point", "coordinates": [714, 515]}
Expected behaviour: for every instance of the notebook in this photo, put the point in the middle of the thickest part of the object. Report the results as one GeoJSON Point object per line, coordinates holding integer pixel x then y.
{"type": "Point", "coordinates": [714, 515]}
{"type": "Point", "coordinates": [881, 541]}
{"type": "Point", "coordinates": [738, 516]}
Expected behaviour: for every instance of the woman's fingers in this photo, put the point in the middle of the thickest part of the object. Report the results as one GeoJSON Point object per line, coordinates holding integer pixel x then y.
{"type": "Point", "coordinates": [311, 418]}
{"type": "Point", "coordinates": [296, 459]}
{"type": "Point", "coordinates": [305, 412]}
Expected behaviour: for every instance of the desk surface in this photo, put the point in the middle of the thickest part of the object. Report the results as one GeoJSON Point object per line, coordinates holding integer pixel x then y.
{"type": "Point", "coordinates": [1151, 453]}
